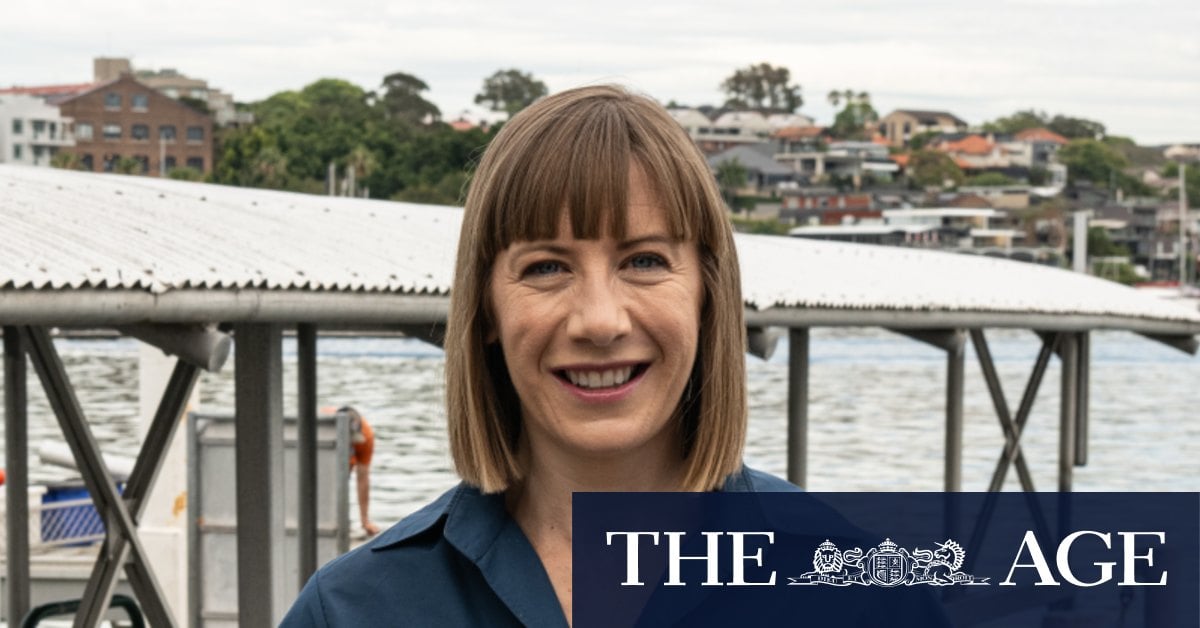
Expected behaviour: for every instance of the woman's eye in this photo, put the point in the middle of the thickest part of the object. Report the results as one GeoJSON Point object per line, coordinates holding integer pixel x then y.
{"type": "Point", "coordinates": [543, 268]}
{"type": "Point", "coordinates": [647, 261]}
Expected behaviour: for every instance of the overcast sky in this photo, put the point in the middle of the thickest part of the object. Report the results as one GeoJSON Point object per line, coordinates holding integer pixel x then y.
{"type": "Point", "coordinates": [1134, 66]}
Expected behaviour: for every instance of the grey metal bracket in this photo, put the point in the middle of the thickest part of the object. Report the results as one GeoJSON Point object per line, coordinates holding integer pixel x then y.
{"type": "Point", "coordinates": [432, 333]}
{"type": "Point", "coordinates": [762, 341]}
{"type": "Point", "coordinates": [1186, 344]}
{"type": "Point", "coordinates": [119, 523]}
{"type": "Point", "coordinates": [944, 339]}
{"type": "Point", "coordinates": [202, 346]}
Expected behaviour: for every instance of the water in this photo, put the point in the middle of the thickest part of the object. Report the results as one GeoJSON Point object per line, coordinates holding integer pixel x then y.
{"type": "Point", "coordinates": [876, 412]}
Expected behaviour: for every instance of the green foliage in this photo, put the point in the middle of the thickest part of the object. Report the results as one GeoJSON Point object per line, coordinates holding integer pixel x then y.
{"type": "Point", "coordinates": [931, 168]}
{"type": "Point", "coordinates": [1119, 271]}
{"type": "Point", "coordinates": [1066, 126]}
{"type": "Point", "coordinates": [1191, 182]}
{"type": "Point", "coordinates": [921, 140]}
{"type": "Point", "coordinates": [1100, 163]}
{"type": "Point", "coordinates": [66, 161]}
{"type": "Point", "coordinates": [763, 227]}
{"type": "Point", "coordinates": [402, 99]}
{"type": "Point", "coordinates": [1017, 122]}
{"type": "Point", "coordinates": [196, 103]}
{"type": "Point", "coordinates": [851, 122]}
{"type": "Point", "coordinates": [128, 165]}
{"type": "Point", "coordinates": [731, 175]}
{"type": "Point", "coordinates": [1100, 245]}
{"type": "Point", "coordinates": [510, 91]}
{"type": "Point", "coordinates": [384, 140]}
{"type": "Point", "coordinates": [990, 179]}
{"type": "Point", "coordinates": [763, 87]}
{"type": "Point", "coordinates": [185, 174]}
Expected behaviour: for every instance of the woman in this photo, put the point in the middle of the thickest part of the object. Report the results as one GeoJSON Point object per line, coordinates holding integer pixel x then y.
{"type": "Point", "coordinates": [595, 343]}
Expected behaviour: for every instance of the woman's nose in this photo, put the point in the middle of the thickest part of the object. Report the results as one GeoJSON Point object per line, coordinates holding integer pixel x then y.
{"type": "Point", "coordinates": [599, 315]}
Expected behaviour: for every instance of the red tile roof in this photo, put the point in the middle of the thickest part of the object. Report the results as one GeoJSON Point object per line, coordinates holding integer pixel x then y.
{"type": "Point", "coordinates": [1040, 135]}
{"type": "Point", "coordinates": [48, 90]}
{"type": "Point", "coordinates": [969, 145]}
{"type": "Point", "coordinates": [461, 125]}
{"type": "Point", "coordinates": [798, 132]}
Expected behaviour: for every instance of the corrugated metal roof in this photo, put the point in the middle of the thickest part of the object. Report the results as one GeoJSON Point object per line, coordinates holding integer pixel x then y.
{"type": "Point", "coordinates": [65, 229]}
{"type": "Point", "coordinates": [199, 247]}
{"type": "Point", "coordinates": [799, 273]}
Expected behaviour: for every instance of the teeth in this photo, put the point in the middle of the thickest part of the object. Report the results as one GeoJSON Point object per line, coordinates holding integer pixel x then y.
{"type": "Point", "coordinates": [600, 379]}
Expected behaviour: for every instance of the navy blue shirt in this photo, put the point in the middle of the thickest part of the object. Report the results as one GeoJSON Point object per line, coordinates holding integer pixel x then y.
{"type": "Point", "coordinates": [460, 561]}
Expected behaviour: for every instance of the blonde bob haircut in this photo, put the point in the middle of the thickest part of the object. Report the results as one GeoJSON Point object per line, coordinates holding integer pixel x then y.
{"type": "Point", "coordinates": [573, 152]}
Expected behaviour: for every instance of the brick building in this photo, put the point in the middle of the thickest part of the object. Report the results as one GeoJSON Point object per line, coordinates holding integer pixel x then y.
{"type": "Point", "coordinates": [128, 119]}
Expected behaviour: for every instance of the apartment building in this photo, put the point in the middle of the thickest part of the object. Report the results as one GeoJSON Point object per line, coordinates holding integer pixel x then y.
{"type": "Point", "coordinates": [31, 132]}
{"type": "Point", "coordinates": [127, 119]}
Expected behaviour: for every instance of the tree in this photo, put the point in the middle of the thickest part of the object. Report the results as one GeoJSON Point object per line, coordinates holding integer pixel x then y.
{"type": "Point", "coordinates": [731, 176]}
{"type": "Point", "coordinates": [1088, 159]}
{"type": "Point", "coordinates": [66, 161]}
{"type": "Point", "coordinates": [1076, 128]}
{"type": "Point", "coordinates": [851, 122]}
{"type": "Point", "coordinates": [990, 179]}
{"type": "Point", "coordinates": [510, 91]}
{"type": "Point", "coordinates": [402, 99]}
{"type": "Point", "coordinates": [764, 87]}
{"type": "Point", "coordinates": [1017, 122]}
{"type": "Point", "coordinates": [931, 168]}
{"type": "Point", "coordinates": [1191, 182]}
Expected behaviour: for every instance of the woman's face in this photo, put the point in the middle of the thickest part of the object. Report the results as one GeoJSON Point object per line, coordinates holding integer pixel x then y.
{"type": "Point", "coordinates": [599, 336]}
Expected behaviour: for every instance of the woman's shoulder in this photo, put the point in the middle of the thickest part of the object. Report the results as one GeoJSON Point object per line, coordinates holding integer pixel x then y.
{"type": "Point", "coordinates": [749, 480]}
{"type": "Point", "coordinates": [408, 571]}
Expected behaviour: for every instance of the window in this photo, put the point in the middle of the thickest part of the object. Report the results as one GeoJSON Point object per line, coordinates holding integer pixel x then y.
{"type": "Point", "coordinates": [112, 131]}
{"type": "Point", "coordinates": [140, 132]}
{"type": "Point", "coordinates": [17, 152]}
{"type": "Point", "coordinates": [110, 162]}
{"type": "Point", "coordinates": [112, 100]}
{"type": "Point", "coordinates": [18, 124]}
{"type": "Point", "coordinates": [39, 127]}
{"type": "Point", "coordinates": [166, 132]}
{"type": "Point", "coordinates": [198, 93]}
{"type": "Point", "coordinates": [196, 162]}
{"type": "Point", "coordinates": [139, 102]}
{"type": "Point", "coordinates": [53, 129]}
{"type": "Point", "coordinates": [144, 162]}
{"type": "Point", "coordinates": [170, 163]}
{"type": "Point", "coordinates": [86, 162]}
{"type": "Point", "coordinates": [83, 131]}
{"type": "Point", "coordinates": [195, 134]}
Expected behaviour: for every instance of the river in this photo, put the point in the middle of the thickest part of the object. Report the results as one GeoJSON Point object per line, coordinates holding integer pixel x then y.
{"type": "Point", "coordinates": [876, 412]}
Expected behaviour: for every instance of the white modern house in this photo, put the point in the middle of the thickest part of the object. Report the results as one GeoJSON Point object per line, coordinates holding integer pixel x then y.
{"type": "Point", "coordinates": [31, 131]}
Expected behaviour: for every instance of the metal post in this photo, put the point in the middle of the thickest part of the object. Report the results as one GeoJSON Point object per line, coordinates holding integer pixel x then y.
{"type": "Point", "coordinates": [258, 400]}
{"type": "Point", "coordinates": [16, 455]}
{"type": "Point", "coordinates": [955, 366]}
{"type": "Point", "coordinates": [1081, 399]}
{"type": "Point", "coordinates": [306, 436]}
{"type": "Point", "coordinates": [1069, 355]}
{"type": "Point", "coordinates": [798, 405]}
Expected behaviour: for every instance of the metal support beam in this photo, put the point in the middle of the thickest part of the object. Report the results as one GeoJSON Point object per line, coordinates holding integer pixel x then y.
{"type": "Point", "coordinates": [306, 437]}
{"type": "Point", "coordinates": [951, 341]}
{"type": "Point", "coordinates": [432, 333]}
{"type": "Point", "coordinates": [1186, 344]}
{"type": "Point", "coordinates": [145, 471]}
{"type": "Point", "coordinates": [16, 456]}
{"type": "Point", "coordinates": [258, 401]}
{"type": "Point", "coordinates": [797, 408]}
{"type": "Point", "coordinates": [117, 519]}
{"type": "Point", "coordinates": [762, 341]}
{"type": "Point", "coordinates": [955, 367]}
{"type": "Point", "coordinates": [1069, 396]}
{"type": "Point", "coordinates": [1082, 390]}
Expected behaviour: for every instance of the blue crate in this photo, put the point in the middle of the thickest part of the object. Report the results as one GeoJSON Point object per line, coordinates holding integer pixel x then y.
{"type": "Point", "coordinates": [68, 516]}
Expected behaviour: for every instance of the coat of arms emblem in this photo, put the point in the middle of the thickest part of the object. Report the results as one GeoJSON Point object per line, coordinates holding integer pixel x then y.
{"type": "Point", "coordinates": [888, 565]}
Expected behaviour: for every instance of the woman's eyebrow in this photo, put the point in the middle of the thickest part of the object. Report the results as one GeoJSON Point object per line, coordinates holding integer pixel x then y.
{"type": "Point", "coordinates": [527, 248]}
{"type": "Point", "coordinates": [656, 238]}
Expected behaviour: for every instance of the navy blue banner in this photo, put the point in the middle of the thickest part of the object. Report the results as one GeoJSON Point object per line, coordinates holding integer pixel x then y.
{"type": "Point", "coordinates": [886, 559]}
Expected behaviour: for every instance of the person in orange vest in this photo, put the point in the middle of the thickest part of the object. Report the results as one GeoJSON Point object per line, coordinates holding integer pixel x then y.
{"type": "Point", "coordinates": [362, 447]}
